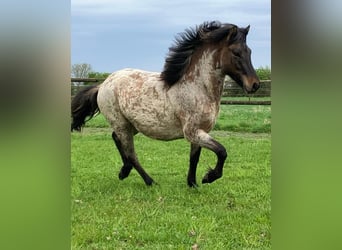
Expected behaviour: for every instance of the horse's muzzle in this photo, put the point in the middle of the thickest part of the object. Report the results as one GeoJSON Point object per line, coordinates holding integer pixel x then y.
{"type": "Point", "coordinates": [255, 87]}
{"type": "Point", "coordinates": [250, 84]}
{"type": "Point", "coordinates": [252, 89]}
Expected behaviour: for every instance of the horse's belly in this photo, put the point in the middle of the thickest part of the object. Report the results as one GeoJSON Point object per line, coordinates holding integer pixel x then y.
{"type": "Point", "coordinates": [158, 127]}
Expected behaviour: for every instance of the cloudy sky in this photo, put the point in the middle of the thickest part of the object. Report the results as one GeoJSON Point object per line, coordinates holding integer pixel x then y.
{"type": "Point", "coordinates": [114, 34]}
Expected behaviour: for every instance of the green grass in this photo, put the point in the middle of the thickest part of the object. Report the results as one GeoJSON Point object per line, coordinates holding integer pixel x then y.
{"type": "Point", "coordinates": [244, 118]}
{"type": "Point", "coordinates": [230, 213]}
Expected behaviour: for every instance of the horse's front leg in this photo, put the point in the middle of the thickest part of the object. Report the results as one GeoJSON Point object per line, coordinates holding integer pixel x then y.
{"type": "Point", "coordinates": [194, 157]}
{"type": "Point", "coordinates": [217, 172]}
{"type": "Point", "coordinates": [203, 139]}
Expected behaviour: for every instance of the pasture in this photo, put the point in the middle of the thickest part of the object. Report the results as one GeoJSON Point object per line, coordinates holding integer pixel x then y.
{"type": "Point", "coordinates": [231, 213]}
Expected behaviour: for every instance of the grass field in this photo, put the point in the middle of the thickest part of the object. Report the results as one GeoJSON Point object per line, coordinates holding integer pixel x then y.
{"type": "Point", "coordinates": [231, 213]}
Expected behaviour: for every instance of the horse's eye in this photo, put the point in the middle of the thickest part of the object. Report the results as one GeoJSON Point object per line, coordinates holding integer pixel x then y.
{"type": "Point", "coordinates": [236, 53]}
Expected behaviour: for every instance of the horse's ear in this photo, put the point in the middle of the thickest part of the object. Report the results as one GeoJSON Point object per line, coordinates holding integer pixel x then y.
{"type": "Point", "coordinates": [247, 29]}
{"type": "Point", "coordinates": [233, 31]}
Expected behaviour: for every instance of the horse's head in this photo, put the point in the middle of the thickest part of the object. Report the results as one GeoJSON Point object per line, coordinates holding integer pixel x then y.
{"type": "Point", "coordinates": [235, 59]}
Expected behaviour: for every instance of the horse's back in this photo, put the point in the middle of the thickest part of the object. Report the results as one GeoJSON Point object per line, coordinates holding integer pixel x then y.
{"type": "Point", "coordinates": [139, 98]}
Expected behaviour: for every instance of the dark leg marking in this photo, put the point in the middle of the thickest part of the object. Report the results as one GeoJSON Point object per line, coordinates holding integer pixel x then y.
{"type": "Point", "coordinates": [195, 153]}
{"type": "Point", "coordinates": [148, 180]}
{"type": "Point", "coordinates": [130, 160]}
{"type": "Point", "coordinates": [127, 167]}
{"type": "Point", "coordinates": [216, 173]}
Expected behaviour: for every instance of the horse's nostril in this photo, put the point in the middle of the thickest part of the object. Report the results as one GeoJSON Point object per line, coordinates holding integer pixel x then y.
{"type": "Point", "coordinates": [256, 86]}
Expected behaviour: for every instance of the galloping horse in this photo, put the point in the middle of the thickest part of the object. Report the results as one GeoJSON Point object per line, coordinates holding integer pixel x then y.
{"type": "Point", "coordinates": [182, 101]}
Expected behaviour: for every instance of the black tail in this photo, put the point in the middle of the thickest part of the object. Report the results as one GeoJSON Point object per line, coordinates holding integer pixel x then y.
{"type": "Point", "coordinates": [84, 105]}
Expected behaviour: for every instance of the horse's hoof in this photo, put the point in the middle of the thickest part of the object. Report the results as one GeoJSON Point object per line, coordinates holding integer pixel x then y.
{"type": "Point", "coordinates": [124, 172]}
{"type": "Point", "coordinates": [192, 184]}
{"type": "Point", "coordinates": [210, 176]}
{"type": "Point", "coordinates": [205, 179]}
{"type": "Point", "coordinates": [149, 182]}
{"type": "Point", "coordinates": [122, 176]}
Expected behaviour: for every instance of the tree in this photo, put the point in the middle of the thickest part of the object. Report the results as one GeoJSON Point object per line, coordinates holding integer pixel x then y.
{"type": "Point", "coordinates": [80, 70]}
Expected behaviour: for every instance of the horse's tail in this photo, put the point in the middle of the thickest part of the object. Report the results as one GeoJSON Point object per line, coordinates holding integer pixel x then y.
{"type": "Point", "coordinates": [84, 105]}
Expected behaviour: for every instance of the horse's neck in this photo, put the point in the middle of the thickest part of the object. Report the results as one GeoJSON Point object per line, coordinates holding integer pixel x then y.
{"type": "Point", "coordinates": [205, 72]}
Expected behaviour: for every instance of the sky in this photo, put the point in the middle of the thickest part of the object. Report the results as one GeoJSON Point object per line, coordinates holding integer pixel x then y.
{"type": "Point", "coordinates": [115, 34]}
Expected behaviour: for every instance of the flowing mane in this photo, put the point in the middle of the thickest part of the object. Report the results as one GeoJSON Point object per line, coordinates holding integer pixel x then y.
{"type": "Point", "coordinates": [179, 56]}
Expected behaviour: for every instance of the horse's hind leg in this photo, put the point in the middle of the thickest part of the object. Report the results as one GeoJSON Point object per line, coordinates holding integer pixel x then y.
{"type": "Point", "coordinates": [124, 143]}
{"type": "Point", "coordinates": [127, 167]}
{"type": "Point", "coordinates": [148, 180]}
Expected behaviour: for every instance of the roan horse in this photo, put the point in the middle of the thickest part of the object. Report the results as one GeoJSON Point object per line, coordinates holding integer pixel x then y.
{"type": "Point", "coordinates": [180, 102]}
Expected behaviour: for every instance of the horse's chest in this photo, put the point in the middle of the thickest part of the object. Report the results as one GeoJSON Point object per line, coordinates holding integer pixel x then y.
{"type": "Point", "coordinates": [200, 115]}
{"type": "Point", "coordinates": [207, 118]}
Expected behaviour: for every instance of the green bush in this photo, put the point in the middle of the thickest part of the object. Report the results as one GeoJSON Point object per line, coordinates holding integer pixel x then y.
{"type": "Point", "coordinates": [264, 73]}
{"type": "Point", "coordinates": [98, 75]}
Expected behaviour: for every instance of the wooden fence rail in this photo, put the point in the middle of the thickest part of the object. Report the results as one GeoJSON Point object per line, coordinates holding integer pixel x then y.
{"type": "Point", "coordinates": [82, 80]}
{"type": "Point", "coordinates": [230, 89]}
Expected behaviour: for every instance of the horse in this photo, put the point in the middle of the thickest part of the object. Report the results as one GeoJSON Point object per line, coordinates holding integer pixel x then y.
{"type": "Point", "coordinates": [182, 101]}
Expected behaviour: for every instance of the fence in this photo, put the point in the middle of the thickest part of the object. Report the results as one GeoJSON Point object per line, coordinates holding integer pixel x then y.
{"type": "Point", "coordinates": [230, 90]}
{"type": "Point", "coordinates": [233, 94]}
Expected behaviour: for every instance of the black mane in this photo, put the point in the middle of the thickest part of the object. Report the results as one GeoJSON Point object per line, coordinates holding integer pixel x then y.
{"type": "Point", "coordinates": [180, 53]}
